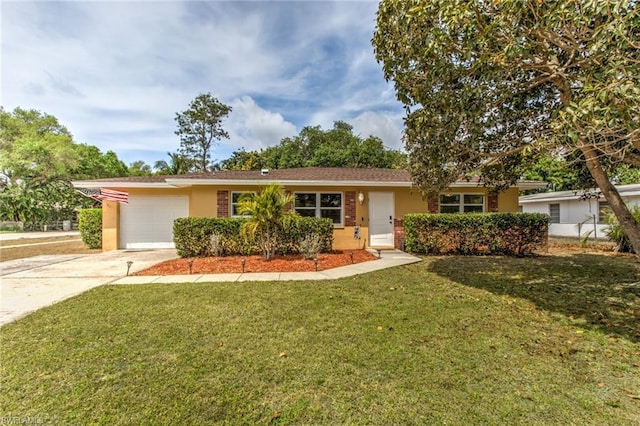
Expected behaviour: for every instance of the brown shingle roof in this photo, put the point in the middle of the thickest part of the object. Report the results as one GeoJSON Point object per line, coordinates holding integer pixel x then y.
{"type": "Point", "coordinates": [309, 174]}
{"type": "Point", "coordinates": [303, 174]}
{"type": "Point", "coordinates": [300, 174]}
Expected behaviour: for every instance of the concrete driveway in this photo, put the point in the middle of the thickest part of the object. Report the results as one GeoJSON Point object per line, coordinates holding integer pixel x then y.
{"type": "Point", "coordinates": [32, 283]}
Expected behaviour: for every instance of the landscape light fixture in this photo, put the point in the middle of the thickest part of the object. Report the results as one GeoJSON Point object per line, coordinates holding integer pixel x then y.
{"type": "Point", "coordinates": [190, 262]}
{"type": "Point", "coordinates": [242, 261]}
{"type": "Point", "coordinates": [315, 260]}
{"type": "Point", "coordinates": [129, 263]}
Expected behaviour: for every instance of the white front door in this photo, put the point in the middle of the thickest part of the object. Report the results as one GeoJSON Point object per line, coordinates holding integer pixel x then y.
{"type": "Point", "coordinates": [381, 211]}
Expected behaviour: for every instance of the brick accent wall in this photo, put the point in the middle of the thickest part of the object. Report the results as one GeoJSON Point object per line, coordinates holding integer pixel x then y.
{"type": "Point", "coordinates": [350, 208]}
{"type": "Point", "coordinates": [223, 204]}
{"type": "Point", "coordinates": [398, 234]}
{"type": "Point", "coordinates": [492, 202]}
{"type": "Point", "coordinates": [433, 199]}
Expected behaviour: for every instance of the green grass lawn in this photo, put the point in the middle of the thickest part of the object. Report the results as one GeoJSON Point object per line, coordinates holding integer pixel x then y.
{"type": "Point", "coordinates": [456, 340]}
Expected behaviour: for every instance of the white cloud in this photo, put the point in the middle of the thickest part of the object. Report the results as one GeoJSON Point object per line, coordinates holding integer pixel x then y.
{"type": "Point", "coordinates": [386, 126]}
{"type": "Point", "coordinates": [252, 127]}
{"type": "Point", "coordinates": [115, 73]}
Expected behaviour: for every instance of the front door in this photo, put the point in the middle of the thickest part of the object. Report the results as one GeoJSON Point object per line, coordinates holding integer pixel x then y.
{"type": "Point", "coordinates": [381, 211]}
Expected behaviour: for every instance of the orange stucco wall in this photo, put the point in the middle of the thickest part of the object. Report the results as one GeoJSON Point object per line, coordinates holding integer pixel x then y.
{"type": "Point", "coordinates": [110, 225]}
{"type": "Point", "coordinates": [508, 201]}
{"type": "Point", "coordinates": [203, 203]}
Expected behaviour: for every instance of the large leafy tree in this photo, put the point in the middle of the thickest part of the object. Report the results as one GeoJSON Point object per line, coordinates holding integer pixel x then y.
{"type": "Point", "coordinates": [491, 86]}
{"type": "Point", "coordinates": [315, 147]}
{"type": "Point", "coordinates": [92, 163]}
{"type": "Point", "coordinates": [38, 158]}
{"type": "Point", "coordinates": [243, 160]}
{"type": "Point", "coordinates": [139, 168]}
{"type": "Point", "coordinates": [200, 127]}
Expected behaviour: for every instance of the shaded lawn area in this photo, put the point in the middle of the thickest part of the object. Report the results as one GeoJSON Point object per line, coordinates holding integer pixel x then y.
{"type": "Point", "coordinates": [20, 249]}
{"type": "Point", "coordinates": [459, 340]}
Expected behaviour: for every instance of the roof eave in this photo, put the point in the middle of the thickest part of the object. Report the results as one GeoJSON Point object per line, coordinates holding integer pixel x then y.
{"type": "Point", "coordinates": [284, 182]}
{"type": "Point", "coordinates": [119, 184]}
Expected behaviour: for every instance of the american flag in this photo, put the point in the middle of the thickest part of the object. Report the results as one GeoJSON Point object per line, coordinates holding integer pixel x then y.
{"type": "Point", "coordinates": [105, 194]}
{"type": "Point", "coordinates": [113, 195]}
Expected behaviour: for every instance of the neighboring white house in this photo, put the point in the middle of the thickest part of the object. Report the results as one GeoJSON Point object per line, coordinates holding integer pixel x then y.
{"type": "Point", "coordinates": [572, 216]}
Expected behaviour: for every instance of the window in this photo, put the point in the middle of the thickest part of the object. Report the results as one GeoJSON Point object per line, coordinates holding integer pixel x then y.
{"type": "Point", "coordinates": [319, 204]}
{"type": "Point", "coordinates": [235, 200]}
{"type": "Point", "coordinates": [603, 210]}
{"type": "Point", "coordinates": [554, 212]}
{"type": "Point", "coordinates": [461, 203]}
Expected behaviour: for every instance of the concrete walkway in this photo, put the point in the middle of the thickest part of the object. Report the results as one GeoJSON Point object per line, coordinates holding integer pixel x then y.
{"type": "Point", "coordinates": [388, 259]}
{"type": "Point", "coordinates": [27, 285]}
{"type": "Point", "coordinates": [30, 284]}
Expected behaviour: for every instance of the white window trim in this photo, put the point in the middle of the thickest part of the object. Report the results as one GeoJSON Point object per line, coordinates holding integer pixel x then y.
{"type": "Point", "coordinates": [550, 216]}
{"type": "Point", "coordinates": [231, 203]}
{"type": "Point", "coordinates": [601, 207]}
{"type": "Point", "coordinates": [317, 208]}
{"type": "Point", "coordinates": [461, 204]}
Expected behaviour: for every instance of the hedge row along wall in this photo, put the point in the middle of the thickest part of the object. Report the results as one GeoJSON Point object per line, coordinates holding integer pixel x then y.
{"type": "Point", "coordinates": [90, 227]}
{"type": "Point", "coordinates": [192, 236]}
{"type": "Point", "coordinates": [518, 234]}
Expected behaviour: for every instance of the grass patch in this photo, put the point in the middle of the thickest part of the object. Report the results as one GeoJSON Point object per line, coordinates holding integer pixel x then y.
{"type": "Point", "coordinates": [29, 247]}
{"type": "Point", "coordinates": [451, 340]}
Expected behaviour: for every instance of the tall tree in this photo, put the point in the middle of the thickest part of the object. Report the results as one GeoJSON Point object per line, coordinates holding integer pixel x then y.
{"type": "Point", "coordinates": [200, 127]}
{"type": "Point", "coordinates": [491, 86]}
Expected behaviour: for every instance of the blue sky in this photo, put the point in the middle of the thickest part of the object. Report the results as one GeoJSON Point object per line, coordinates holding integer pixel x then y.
{"type": "Point", "coordinates": [115, 73]}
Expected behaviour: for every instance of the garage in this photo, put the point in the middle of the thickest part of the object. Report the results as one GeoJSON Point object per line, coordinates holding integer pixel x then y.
{"type": "Point", "coordinates": [147, 221]}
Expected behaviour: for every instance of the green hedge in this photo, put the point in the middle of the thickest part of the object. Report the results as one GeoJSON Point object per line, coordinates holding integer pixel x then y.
{"type": "Point", "coordinates": [90, 227]}
{"type": "Point", "coordinates": [192, 235]}
{"type": "Point", "coordinates": [516, 234]}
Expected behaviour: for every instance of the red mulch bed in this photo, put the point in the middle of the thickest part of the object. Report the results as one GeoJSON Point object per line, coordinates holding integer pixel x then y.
{"type": "Point", "coordinates": [233, 264]}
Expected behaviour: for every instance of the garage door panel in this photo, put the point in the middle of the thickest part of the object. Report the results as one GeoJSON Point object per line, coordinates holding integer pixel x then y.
{"type": "Point", "coordinates": [147, 221]}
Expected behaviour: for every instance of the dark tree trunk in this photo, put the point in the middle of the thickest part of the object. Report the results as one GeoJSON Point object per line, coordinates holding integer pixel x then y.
{"type": "Point", "coordinates": [628, 223]}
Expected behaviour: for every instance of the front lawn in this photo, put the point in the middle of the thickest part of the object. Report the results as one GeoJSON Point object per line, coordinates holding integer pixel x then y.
{"type": "Point", "coordinates": [456, 340]}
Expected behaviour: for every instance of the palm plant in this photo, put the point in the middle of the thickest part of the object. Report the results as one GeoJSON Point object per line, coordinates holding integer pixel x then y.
{"type": "Point", "coordinates": [178, 164]}
{"type": "Point", "coordinates": [267, 216]}
{"type": "Point", "coordinates": [615, 232]}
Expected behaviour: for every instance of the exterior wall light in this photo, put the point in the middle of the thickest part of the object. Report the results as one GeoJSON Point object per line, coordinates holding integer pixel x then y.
{"type": "Point", "coordinates": [361, 197]}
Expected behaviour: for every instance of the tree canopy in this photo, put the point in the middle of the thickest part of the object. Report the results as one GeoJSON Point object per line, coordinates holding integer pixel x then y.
{"type": "Point", "coordinates": [315, 147]}
{"type": "Point", "coordinates": [200, 127]}
{"type": "Point", "coordinates": [38, 159]}
{"type": "Point", "coordinates": [178, 164]}
{"type": "Point", "coordinates": [490, 87]}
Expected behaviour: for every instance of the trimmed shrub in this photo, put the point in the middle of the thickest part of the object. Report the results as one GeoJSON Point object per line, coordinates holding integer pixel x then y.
{"type": "Point", "coordinates": [90, 227]}
{"type": "Point", "coordinates": [516, 234]}
{"type": "Point", "coordinates": [310, 246]}
{"type": "Point", "coordinates": [303, 227]}
{"type": "Point", "coordinates": [192, 236]}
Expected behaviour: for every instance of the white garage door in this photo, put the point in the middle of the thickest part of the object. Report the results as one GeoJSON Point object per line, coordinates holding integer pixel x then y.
{"type": "Point", "coordinates": [147, 222]}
